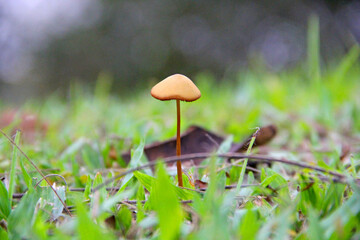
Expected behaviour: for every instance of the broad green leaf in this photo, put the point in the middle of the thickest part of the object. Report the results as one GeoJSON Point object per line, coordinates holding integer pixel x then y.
{"type": "Point", "coordinates": [50, 203]}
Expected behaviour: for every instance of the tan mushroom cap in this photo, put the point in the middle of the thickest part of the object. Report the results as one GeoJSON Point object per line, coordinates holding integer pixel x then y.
{"type": "Point", "coordinates": [177, 87]}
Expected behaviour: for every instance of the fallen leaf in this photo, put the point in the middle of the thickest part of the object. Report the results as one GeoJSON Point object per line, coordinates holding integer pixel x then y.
{"type": "Point", "coordinates": [198, 140]}
{"type": "Point", "coordinates": [345, 151]}
{"type": "Point", "coordinates": [29, 124]}
{"type": "Point", "coordinates": [200, 184]}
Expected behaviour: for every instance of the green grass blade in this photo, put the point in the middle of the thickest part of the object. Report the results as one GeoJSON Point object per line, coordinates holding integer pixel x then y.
{"type": "Point", "coordinates": [5, 205]}
{"type": "Point", "coordinates": [21, 218]}
{"type": "Point", "coordinates": [313, 49]}
{"type": "Point", "coordinates": [315, 231]}
{"type": "Point", "coordinates": [27, 178]}
{"type": "Point", "coordinates": [144, 179]}
{"type": "Point", "coordinates": [3, 234]}
{"type": "Point", "coordinates": [166, 204]}
{"type": "Point", "coordinates": [98, 181]}
{"type": "Point", "coordinates": [346, 65]}
{"type": "Point", "coordinates": [86, 228]}
{"type": "Point", "coordinates": [87, 190]}
{"type": "Point", "coordinates": [134, 162]}
{"type": "Point", "coordinates": [13, 166]}
{"type": "Point", "coordinates": [147, 182]}
{"type": "Point", "coordinates": [242, 174]}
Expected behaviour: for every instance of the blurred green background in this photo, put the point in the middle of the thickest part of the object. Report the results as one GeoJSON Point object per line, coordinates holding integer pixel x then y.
{"type": "Point", "coordinates": [46, 45]}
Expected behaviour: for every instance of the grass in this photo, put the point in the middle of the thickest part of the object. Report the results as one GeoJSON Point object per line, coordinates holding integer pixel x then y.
{"type": "Point", "coordinates": [85, 134]}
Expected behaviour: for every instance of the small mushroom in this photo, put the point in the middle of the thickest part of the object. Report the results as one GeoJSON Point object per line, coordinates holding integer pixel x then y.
{"type": "Point", "coordinates": [180, 88]}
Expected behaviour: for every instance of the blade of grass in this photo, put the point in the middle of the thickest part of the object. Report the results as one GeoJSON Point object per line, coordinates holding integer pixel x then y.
{"type": "Point", "coordinates": [248, 151]}
{"type": "Point", "coordinates": [87, 228]}
{"type": "Point", "coordinates": [26, 176]}
{"type": "Point", "coordinates": [5, 207]}
{"type": "Point", "coordinates": [13, 167]}
{"type": "Point", "coordinates": [164, 200]}
{"type": "Point", "coordinates": [20, 220]}
{"type": "Point", "coordinates": [134, 162]}
{"type": "Point", "coordinates": [313, 49]}
{"type": "Point", "coordinates": [346, 64]}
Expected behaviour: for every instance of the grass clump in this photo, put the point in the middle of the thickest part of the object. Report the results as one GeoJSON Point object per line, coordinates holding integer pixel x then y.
{"type": "Point", "coordinates": [318, 124]}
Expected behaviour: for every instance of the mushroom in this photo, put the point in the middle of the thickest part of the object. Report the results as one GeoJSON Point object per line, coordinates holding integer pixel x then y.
{"type": "Point", "coordinates": [180, 88]}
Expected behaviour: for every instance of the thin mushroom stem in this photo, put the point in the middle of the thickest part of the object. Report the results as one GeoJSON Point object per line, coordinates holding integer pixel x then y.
{"type": "Point", "coordinates": [178, 144]}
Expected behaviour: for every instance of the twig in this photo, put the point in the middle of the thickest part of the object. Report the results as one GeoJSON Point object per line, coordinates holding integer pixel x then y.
{"type": "Point", "coordinates": [201, 190]}
{"type": "Point", "coordinates": [322, 178]}
{"type": "Point", "coordinates": [2, 175]}
{"type": "Point", "coordinates": [128, 204]}
{"type": "Point", "coordinates": [235, 163]}
{"type": "Point", "coordinates": [83, 189]}
{"type": "Point", "coordinates": [51, 175]}
{"type": "Point", "coordinates": [37, 169]}
{"type": "Point", "coordinates": [192, 189]}
{"type": "Point", "coordinates": [253, 169]}
{"type": "Point", "coordinates": [134, 202]}
{"type": "Point", "coordinates": [255, 158]}
{"type": "Point", "coordinates": [20, 195]}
